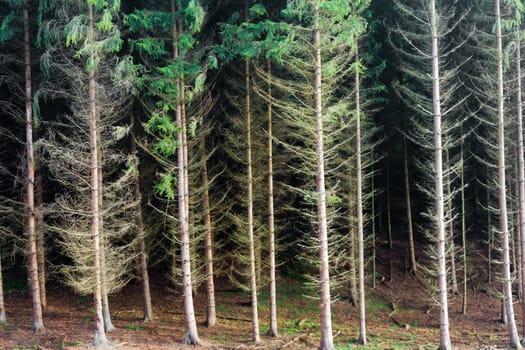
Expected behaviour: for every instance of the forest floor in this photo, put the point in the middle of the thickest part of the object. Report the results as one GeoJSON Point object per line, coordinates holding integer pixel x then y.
{"type": "Point", "coordinates": [400, 315]}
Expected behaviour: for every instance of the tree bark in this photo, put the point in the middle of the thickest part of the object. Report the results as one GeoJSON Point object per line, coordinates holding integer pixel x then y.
{"type": "Point", "coordinates": [40, 237]}
{"type": "Point", "coordinates": [445, 343]}
{"type": "Point", "coordinates": [211, 318]}
{"type": "Point", "coordinates": [272, 331]}
{"type": "Point", "coordinates": [452, 244]}
{"type": "Point", "coordinates": [413, 265]}
{"type": "Point", "coordinates": [360, 239]}
{"type": "Point", "coordinates": [253, 275]}
{"type": "Point", "coordinates": [327, 342]}
{"type": "Point", "coordinates": [388, 208]}
{"type": "Point", "coordinates": [139, 221]}
{"type": "Point", "coordinates": [100, 332]}
{"type": "Point", "coordinates": [38, 322]}
{"type": "Point", "coordinates": [502, 196]}
{"type": "Point", "coordinates": [3, 318]}
{"type": "Point", "coordinates": [191, 337]}
{"type": "Point", "coordinates": [463, 230]}
{"type": "Point", "coordinates": [521, 177]}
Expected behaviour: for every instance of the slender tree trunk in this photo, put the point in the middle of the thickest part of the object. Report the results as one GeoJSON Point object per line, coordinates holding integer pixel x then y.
{"type": "Point", "coordinates": [108, 325]}
{"type": "Point", "coordinates": [451, 226]}
{"type": "Point", "coordinates": [253, 275]}
{"type": "Point", "coordinates": [100, 333]}
{"type": "Point", "coordinates": [388, 209]}
{"type": "Point", "coordinates": [40, 238]}
{"type": "Point", "coordinates": [490, 238]}
{"type": "Point", "coordinates": [327, 342]}
{"type": "Point", "coordinates": [521, 179]}
{"type": "Point", "coordinates": [463, 229]}
{"type": "Point", "coordinates": [191, 337]}
{"type": "Point", "coordinates": [361, 245]}
{"type": "Point", "coordinates": [502, 196]}
{"type": "Point", "coordinates": [373, 217]}
{"type": "Point", "coordinates": [272, 331]}
{"type": "Point", "coordinates": [445, 343]}
{"type": "Point", "coordinates": [38, 322]}
{"type": "Point", "coordinates": [352, 238]}
{"type": "Point", "coordinates": [211, 318]}
{"type": "Point", "coordinates": [413, 265]}
{"type": "Point", "coordinates": [3, 318]}
{"type": "Point", "coordinates": [139, 221]}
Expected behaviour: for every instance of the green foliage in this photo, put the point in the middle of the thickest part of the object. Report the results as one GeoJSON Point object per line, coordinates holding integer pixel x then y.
{"type": "Point", "coordinates": [165, 188]}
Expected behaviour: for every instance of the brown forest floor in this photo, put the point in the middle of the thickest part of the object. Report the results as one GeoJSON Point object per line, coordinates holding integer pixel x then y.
{"type": "Point", "coordinates": [413, 325]}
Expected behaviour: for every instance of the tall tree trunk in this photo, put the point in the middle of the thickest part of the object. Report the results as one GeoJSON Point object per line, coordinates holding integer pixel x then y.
{"type": "Point", "coordinates": [211, 318]}
{"type": "Point", "coordinates": [373, 224]}
{"type": "Point", "coordinates": [490, 234]}
{"type": "Point", "coordinates": [253, 275]}
{"type": "Point", "coordinates": [327, 342]}
{"type": "Point", "coordinates": [463, 229]}
{"type": "Point", "coordinates": [272, 331]}
{"type": "Point", "coordinates": [3, 318]}
{"type": "Point", "coordinates": [38, 322]}
{"type": "Point", "coordinates": [521, 178]}
{"type": "Point", "coordinates": [360, 239]}
{"type": "Point", "coordinates": [445, 343]}
{"type": "Point", "coordinates": [502, 196]}
{"type": "Point", "coordinates": [191, 337]}
{"type": "Point", "coordinates": [100, 332]}
{"type": "Point", "coordinates": [40, 238]}
{"type": "Point", "coordinates": [413, 265]}
{"type": "Point", "coordinates": [388, 206]}
{"type": "Point", "coordinates": [108, 325]}
{"type": "Point", "coordinates": [139, 221]}
{"type": "Point", "coordinates": [353, 299]}
{"type": "Point", "coordinates": [451, 225]}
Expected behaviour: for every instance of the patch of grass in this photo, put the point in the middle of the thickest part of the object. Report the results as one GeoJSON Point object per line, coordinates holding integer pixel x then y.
{"type": "Point", "coordinates": [133, 327]}
{"type": "Point", "coordinates": [299, 326]}
{"type": "Point", "coordinates": [377, 305]}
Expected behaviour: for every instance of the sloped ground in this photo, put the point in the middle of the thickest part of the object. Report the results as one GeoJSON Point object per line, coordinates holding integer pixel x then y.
{"type": "Point", "coordinates": [400, 315]}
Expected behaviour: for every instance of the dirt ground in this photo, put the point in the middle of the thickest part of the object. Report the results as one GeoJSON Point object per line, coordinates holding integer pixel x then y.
{"type": "Point", "coordinates": [400, 315]}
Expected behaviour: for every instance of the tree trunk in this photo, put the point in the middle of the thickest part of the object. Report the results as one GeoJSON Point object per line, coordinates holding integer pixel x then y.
{"type": "Point", "coordinates": [353, 299]}
{"type": "Point", "coordinates": [413, 265]}
{"type": "Point", "coordinates": [490, 234]}
{"type": "Point", "coordinates": [38, 322]}
{"type": "Point", "coordinates": [463, 230]}
{"type": "Point", "coordinates": [139, 221]}
{"type": "Point", "coordinates": [100, 332]}
{"type": "Point", "coordinates": [502, 196]}
{"type": "Point", "coordinates": [388, 209]}
{"type": "Point", "coordinates": [40, 238]}
{"type": "Point", "coordinates": [373, 224]}
{"type": "Point", "coordinates": [253, 276]}
{"type": "Point", "coordinates": [327, 342]}
{"type": "Point", "coordinates": [360, 239]}
{"type": "Point", "coordinates": [211, 318]}
{"type": "Point", "coordinates": [3, 318]}
{"type": "Point", "coordinates": [521, 179]}
{"type": "Point", "coordinates": [191, 337]}
{"type": "Point", "coordinates": [451, 226]}
{"type": "Point", "coordinates": [108, 325]}
{"type": "Point", "coordinates": [445, 343]}
{"type": "Point", "coordinates": [272, 331]}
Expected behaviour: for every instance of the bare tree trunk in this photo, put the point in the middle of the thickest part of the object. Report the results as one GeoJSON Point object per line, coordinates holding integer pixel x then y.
{"type": "Point", "coordinates": [139, 221]}
{"type": "Point", "coordinates": [191, 337]}
{"type": "Point", "coordinates": [507, 279]}
{"type": "Point", "coordinates": [463, 229]}
{"type": "Point", "coordinates": [360, 239]}
{"type": "Point", "coordinates": [3, 318]}
{"type": "Point", "coordinates": [40, 238]}
{"type": "Point", "coordinates": [413, 265]}
{"type": "Point", "coordinates": [211, 318]}
{"type": "Point", "coordinates": [100, 332]}
{"type": "Point", "coordinates": [352, 248]}
{"type": "Point", "coordinates": [388, 209]}
{"type": "Point", "coordinates": [521, 179]}
{"type": "Point", "coordinates": [272, 331]}
{"type": "Point", "coordinates": [38, 322]}
{"type": "Point", "coordinates": [253, 276]}
{"type": "Point", "coordinates": [451, 226]}
{"type": "Point", "coordinates": [108, 325]}
{"type": "Point", "coordinates": [327, 342]}
{"type": "Point", "coordinates": [445, 343]}
{"type": "Point", "coordinates": [373, 224]}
